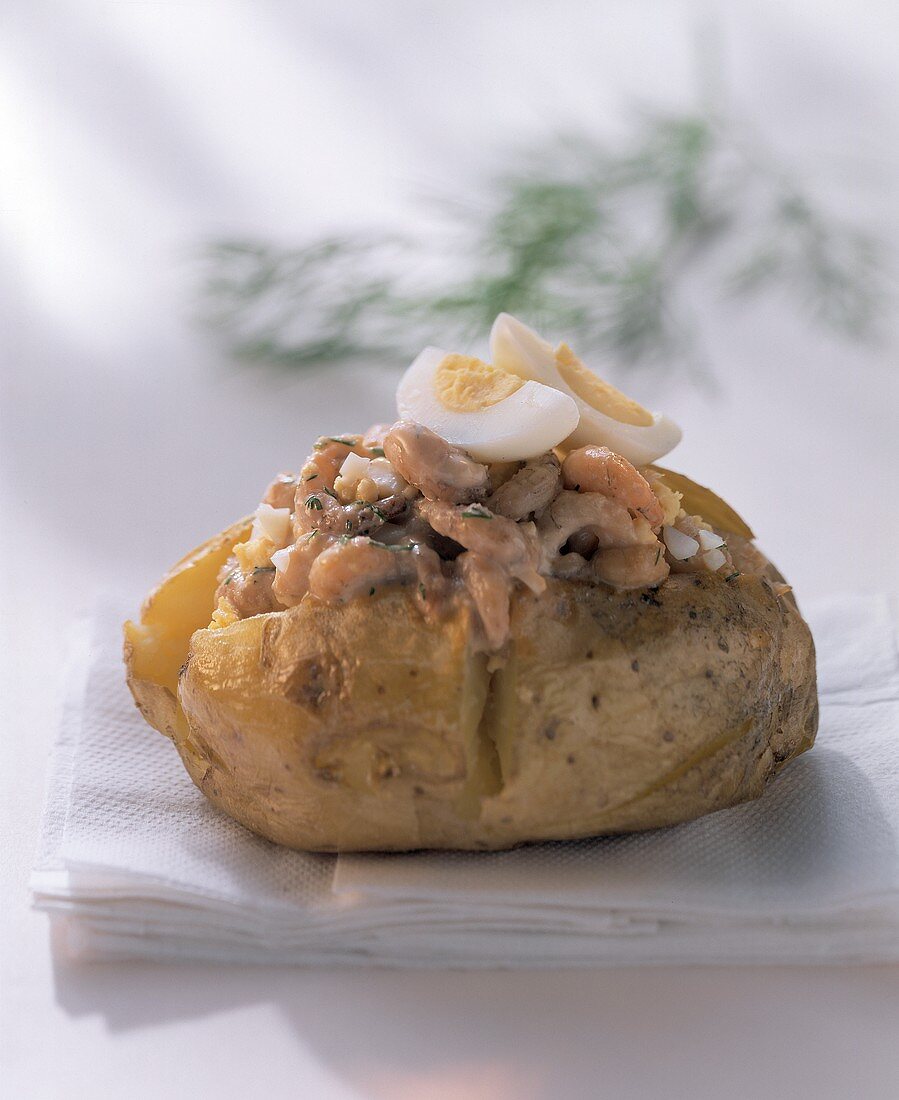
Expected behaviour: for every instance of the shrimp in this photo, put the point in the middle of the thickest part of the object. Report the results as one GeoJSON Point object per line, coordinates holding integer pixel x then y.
{"type": "Point", "coordinates": [410, 528]}
{"type": "Point", "coordinates": [631, 566]}
{"type": "Point", "coordinates": [433, 586]}
{"type": "Point", "coordinates": [584, 543]}
{"type": "Point", "coordinates": [363, 518]}
{"type": "Point", "coordinates": [529, 490]}
{"type": "Point", "coordinates": [360, 567]}
{"type": "Point", "coordinates": [500, 472]}
{"type": "Point", "coordinates": [514, 546]}
{"type": "Point", "coordinates": [322, 511]}
{"type": "Point", "coordinates": [626, 551]}
{"type": "Point", "coordinates": [282, 491]}
{"type": "Point", "coordinates": [610, 522]}
{"type": "Point", "coordinates": [310, 494]}
{"type": "Point", "coordinates": [594, 469]}
{"type": "Point", "coordinates": [248, 593]}
{"type": "Point", "coordinates": [321, 468]}
{"type": "Point", "coordinates": [573, 566]}
{"type": "Point", "coordinates": [317, 511]}
{"type": "Point", "coordinates": [489, 586]}
{"type": "Point", "coordinates": [373, 440]}
{"type": "Point", "coordinates": [291, 583]}
{"type": "Point", "coordinates": [440, 470]}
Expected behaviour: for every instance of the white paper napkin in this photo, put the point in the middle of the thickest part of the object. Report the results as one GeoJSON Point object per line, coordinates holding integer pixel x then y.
{"type": "Point", "coordinates": [135, 863]}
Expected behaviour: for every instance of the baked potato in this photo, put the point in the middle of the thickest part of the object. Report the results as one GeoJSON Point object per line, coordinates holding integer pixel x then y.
{"type": "Point", "coordinates": [495, 621]}
{"type": "Point", "coordinates": [363, 725]}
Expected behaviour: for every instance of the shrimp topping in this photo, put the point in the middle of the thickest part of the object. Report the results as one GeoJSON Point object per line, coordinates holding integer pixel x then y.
{"type": "Point", "coordinates": [499, 552]}
{"type": "Point", "coordinates": [529, 490]}
{"type": "Point", "coordinates": [249, 593]}
{"type": "Point", "coordinates": [590, 523]}
{"type": "Point", "coordinates": [488, 585]}
{"type": "Point", "coordinates": [512, 545]}
{"type": "Point", "coordinates": [594, 469]}
{"type": "Point", "coordinates": [409, 509]}
{"type": "Point", "coordinates": [437, 468]}
{"type": "Point", "coordinates": [610, 523]}
{"type": "Point", "coordinates": [631, 566]}
{"type": "Point", "coordinates": [359, 566]}
{"type": "Point", "coordinates": [321, 468]}
{"type": "Point", "coordinates": [282, 492]}
{"type": "Point", "coordinates": [292, 566]}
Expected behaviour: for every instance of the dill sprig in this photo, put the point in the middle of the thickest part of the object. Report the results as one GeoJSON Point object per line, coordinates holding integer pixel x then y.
{"type": "Point", "coordinates": [598, 243]}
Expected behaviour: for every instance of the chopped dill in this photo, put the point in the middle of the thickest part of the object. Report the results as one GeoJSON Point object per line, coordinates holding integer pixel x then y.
{"type": "Point", "coordinates": [313, 504]}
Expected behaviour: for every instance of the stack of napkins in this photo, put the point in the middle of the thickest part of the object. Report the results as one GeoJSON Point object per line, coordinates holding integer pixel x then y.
{"type": "Point", "coordinates": [135, 864]}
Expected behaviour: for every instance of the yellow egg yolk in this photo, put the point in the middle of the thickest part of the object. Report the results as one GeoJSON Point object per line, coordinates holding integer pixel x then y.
{"type": "Point", "coordinates": [254, 554]}
{"type": "Point", "coordinates": [465, 384]}
{"type": "Point", "coordinates": [597, 393]}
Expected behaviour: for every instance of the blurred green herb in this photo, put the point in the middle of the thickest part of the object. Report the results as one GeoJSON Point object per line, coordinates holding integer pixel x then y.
{"type": "Point", "coordinates": [598, 244]}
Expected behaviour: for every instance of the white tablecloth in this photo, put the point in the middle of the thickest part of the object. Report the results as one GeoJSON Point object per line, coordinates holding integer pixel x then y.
{"type": "Point", "coordinates": [134, 863]}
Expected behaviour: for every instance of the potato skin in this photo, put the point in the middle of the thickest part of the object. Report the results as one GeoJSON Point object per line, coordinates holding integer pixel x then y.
{"type": "Point", "coordinates": [362, 727]}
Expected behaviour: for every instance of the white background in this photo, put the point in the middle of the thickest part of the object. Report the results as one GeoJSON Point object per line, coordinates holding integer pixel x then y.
{"type": "Point", "coordinates": [132, 131]}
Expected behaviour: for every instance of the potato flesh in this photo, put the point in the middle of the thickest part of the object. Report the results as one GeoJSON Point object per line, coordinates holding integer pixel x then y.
{"type": "Point", "coordinates": [157, 645]}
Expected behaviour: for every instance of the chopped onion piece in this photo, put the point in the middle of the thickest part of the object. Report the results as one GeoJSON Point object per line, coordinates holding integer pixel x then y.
{"type": "Point", "coordinates": [354, 467]}
{"type": "Point", "coordinates": [280, 558]}
{"type": "Point", "coordinates": [272, 524]}
{"type": "Point", "coordinates": [680, 546]}
{"type": "Point", "coordinates": [714, 559]}
{"type": "Point", "coordinates": [708, 540]}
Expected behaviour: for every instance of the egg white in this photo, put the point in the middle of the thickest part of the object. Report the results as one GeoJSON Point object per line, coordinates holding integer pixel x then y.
{"type": "Point", "coordinates": [271, 523]}
{"type": "Point", "coordinates": [518, 349]}
{"type": "Point", "coordinates": [529, 422]}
